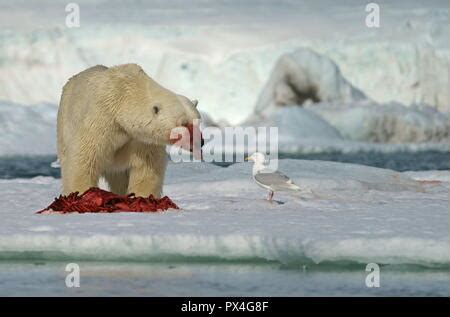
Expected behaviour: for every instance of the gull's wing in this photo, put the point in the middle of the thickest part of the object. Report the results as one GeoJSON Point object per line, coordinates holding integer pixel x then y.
{"type": "Point", "coordinates": [275, 180]}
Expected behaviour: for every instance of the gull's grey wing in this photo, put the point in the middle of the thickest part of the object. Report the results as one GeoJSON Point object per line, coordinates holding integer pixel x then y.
{"type": "Point", "coordinates": [273, 179]}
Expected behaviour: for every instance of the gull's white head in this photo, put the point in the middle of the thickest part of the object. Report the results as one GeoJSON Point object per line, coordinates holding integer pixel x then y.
{"type": "Point", "coordinates": [257, 157]}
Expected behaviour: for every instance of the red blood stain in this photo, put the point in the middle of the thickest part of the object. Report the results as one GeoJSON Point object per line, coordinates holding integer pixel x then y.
{"type": "Point", "coordinates": [96, 200]}
{"type": "Point", "coordinates": [188, 137]}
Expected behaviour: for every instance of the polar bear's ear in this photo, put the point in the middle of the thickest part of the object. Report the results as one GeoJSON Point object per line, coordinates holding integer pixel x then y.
{"type": "Point", "coordinates": [195, 102]}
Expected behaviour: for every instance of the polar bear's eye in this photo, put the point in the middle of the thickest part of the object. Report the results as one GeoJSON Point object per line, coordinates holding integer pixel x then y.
{"type": "Point", "coordinates": [155, 109]}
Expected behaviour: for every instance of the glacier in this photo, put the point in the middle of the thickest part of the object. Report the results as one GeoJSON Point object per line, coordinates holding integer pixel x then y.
{"type": "Point", "coordinates": [225, 62]}
{"type": "Point", "coordinates": [36, 66]}
{"type": "Point", "coordinates": [376, 86]}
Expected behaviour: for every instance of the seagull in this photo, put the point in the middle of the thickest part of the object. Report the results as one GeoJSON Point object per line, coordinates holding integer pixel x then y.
{"type": "Point", "coordinates": [271, 180]}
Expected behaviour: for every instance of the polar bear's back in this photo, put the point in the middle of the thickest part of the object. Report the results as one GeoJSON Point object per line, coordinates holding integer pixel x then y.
{"type": "Point", "coordinates": [80, 87]}
{"type": "Point", "coordinates": [76, 99]}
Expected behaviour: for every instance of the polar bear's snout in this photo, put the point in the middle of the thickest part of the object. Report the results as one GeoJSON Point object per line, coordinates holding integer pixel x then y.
{"type": "Point", "coordinates": [183, 122]}
{"type": "Point", "coordinates": [187, 136]}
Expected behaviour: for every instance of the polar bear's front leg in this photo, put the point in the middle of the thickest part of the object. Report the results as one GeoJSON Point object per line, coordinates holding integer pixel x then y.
{"type": "Point", "coordinates": [117, 181]}
{"type": "Point", "coordinates": [145, 182]}
{"type": "Point", "coordinates": [78, 173]}
{"type": "Point", "coordinates": [148, 166]}
{"type": "Point", "coordinates": [78, 179]}
{"type": "Point", "coordinates": [82, 181]}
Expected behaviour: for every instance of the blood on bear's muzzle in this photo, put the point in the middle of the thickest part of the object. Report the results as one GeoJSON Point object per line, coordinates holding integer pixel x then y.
{"type": "Point", "coordinates": [189, 138]}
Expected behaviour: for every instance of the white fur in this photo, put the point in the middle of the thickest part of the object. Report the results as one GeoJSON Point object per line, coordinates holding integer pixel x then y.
{"type": "Point", "coordinates": [108, 126]}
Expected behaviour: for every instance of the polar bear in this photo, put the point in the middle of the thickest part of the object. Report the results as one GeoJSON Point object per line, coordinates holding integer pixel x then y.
{"type": "Point", "coordinates": [115, 123]}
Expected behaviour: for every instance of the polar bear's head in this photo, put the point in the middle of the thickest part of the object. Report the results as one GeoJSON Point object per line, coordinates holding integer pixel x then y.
{"type": "Point", "coordinates": [149, 112]}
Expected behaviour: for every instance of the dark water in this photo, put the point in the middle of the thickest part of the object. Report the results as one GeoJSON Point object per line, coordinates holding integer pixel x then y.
{"type": "Point", "coordinates": [206, 279]}
{"type": "Point", "coordinates": [397, 161]}
{"type": "Point", "coordinates": [32, 166]}
{"type": "Point", "coordinates": [28, 167]}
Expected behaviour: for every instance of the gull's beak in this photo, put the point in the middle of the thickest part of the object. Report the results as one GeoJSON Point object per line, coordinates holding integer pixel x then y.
{"type": "Point", "coordinates": [248, 158]}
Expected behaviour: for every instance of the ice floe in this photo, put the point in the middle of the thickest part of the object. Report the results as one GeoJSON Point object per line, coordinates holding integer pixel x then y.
{"type": "Point", "coordinates": [361, 215]}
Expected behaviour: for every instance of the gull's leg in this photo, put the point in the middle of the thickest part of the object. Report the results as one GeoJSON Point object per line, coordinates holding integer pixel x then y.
{"type": "Point", "coordinates": [269, 198]}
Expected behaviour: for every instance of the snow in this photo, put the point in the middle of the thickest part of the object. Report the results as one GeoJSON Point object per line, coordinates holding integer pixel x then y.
{"type": "Point", "coordinates": [362, 214]}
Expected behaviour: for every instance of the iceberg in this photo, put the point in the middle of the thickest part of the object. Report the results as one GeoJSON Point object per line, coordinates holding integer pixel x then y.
{"type": "Point", "coordinates": [307, 96]}
{"type": "Point", "coordinates": [27, 130]}
{"type": "Point", "coordinates": [386, 123]}
{"type": "Point", "coordinates": [304, 76]}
